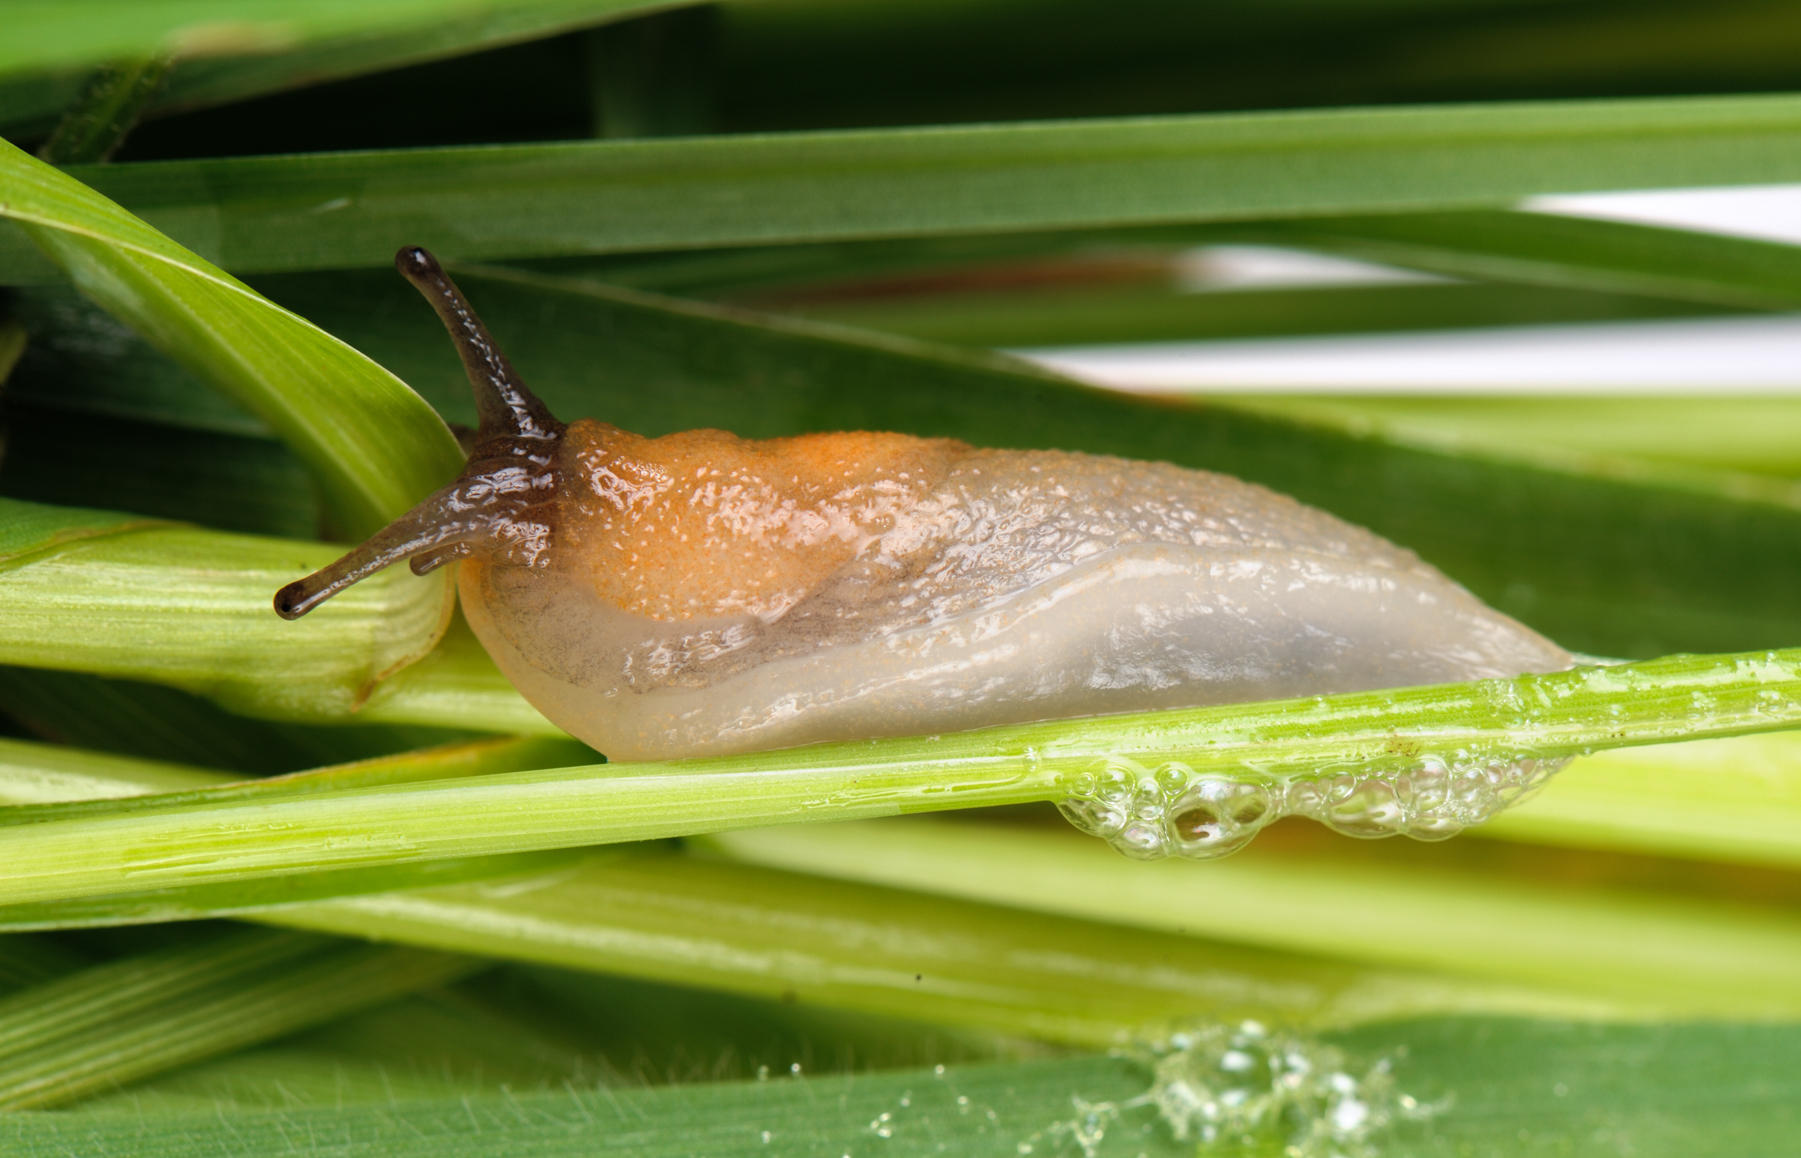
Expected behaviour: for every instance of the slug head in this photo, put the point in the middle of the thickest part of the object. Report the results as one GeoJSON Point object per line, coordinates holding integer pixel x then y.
{"type": "Point", "coordinates": [500, 504]}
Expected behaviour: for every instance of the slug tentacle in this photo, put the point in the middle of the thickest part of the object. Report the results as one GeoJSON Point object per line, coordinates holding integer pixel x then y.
{"type": "Point", "coordinates": [423, 529]}
{"type": "Point", "coordinates": [500, 503]}
{"type": "Point", "coordinates": [502, 402]}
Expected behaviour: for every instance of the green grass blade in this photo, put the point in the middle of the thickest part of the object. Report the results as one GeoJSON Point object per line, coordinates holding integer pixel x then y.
{"type": "Point", "coordinates": [654, 77]}
{"type": "Point", "coordinates": [1529, 1088]}
{"type": "Point", "coordinates": [766, 933]}
{"type": "Point", "coordinates": [1535, 1089]}
{"type": "Point", "coordinates": [1736, 801]}
{"type": "Point", "coordinates": [435, 1044]}
{"type": "Point", "coordinates": [86, 363]}
{"type": "Point", "coordinates": [1075, 317]}
{"type": "Point", "coordinates": [1733, 801]}
{"type": "Point", "coordinates": [66, 783]}
{"type": "Point", "coordinates": [63, 782]}
{"type": "Point", "coordinates": [826, 942]}
{"type": "Point", "coordinates": [107, 110]}
{"type": "Point", "coordinates": [257, 898]}
{"type": "Point", "coordinates": [29, 960]}
{"type": "Point", "coordinates": [77, 1005]}
{"type": "Point", "coordinates": [51, 773]}
{"type": "Point", "coordinates": [150, 721]}
{"type": "Point", "coordinates": [263, 214]}
{"type": "Point", "coordinates": [416, 33]}
{"type": "Point", "coordinates": [241, 51]}
{"type": "Point", "coordinates": [225, 481]}
{"type": "Point", "coordinates": [1639, 268]}
{"type": "Point", "coordinates": [455, 685]}
{"type": "Point", "coordinates": [798, 64]}
{"type": "Point", "coordinates": [1468, 726]}
{"type": "Point", "coordinates": [127, 1019]}
{"type": "Point", "coordinates": [152, 438]}
{"type": "Point", "coordinates": [45, 34]}
{"type": "Point", "coordinates": [1686, 944]}
{"type": "Point", "coordinates": [826, 1115]}
{"type": "Point", "coordinates": [66, 572]}
{"type": "Point", "coordinates": [1567, 252]}
{"type": "Point", "coordinates": [742, 273]}
{"type": "Point", "coordinates": [374, 445]}
{"type": "Point", "coordinates": [1752, 433]}
{"type": "Point", "coordinates": [772, 934]}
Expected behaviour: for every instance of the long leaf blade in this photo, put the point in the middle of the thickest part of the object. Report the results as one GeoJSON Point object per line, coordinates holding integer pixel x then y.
{"type": "Point", "coordinates": [375, 446]}
{"type": "Point", "coordinates": [329, 211]}
{"type": "Point", "coordinates": [1533, 1089]}
{"type": "Point", "coordinates": [1570, 252]}
{"type": "Point", "coordinates": [46, 34]}
{"type": "Point", "coordinates": [91, 591]}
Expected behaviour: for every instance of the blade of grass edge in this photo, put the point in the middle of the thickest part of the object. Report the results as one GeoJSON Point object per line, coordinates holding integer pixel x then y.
{"type": "Point", "coordinates": [771, 934]}
{"type": "Point", "coordinates": [1473, 726]}
{"type": "Point", "coordinates": [128, 1019]}
{"type": "Point", "coordinates": [1535, 1089]}
{"type": "Point", "coordinates": [1566, 252]}
{"type": "Point", "coordinates": [373, 444]}
{"type": "Point", "coordinates": [1681, 943]}
{"type": "Point", "coordinates": [555, 200]}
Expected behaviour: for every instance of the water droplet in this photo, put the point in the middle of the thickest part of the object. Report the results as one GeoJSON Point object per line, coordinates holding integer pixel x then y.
{"type": "Point", "coordinates": [1176, 811]}
{"type": "Point", "coordinates": [1270, 1091]}
{"type": "Point", "coordinates": [1370, 809]}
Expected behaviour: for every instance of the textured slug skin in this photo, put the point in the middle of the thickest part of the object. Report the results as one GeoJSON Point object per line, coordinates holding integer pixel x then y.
{"type": "Point", "coordinates": [708, 594]}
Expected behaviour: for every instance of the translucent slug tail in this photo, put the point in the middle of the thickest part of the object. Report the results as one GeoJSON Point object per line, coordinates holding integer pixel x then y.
{"type": "Point", "coordinates": [431, 534]}
{"type": "Point", "coordinates": [506, 407]}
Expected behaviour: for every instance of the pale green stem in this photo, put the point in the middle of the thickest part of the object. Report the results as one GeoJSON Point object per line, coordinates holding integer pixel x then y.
{"type": "Point", "coordinates": [1374, 733]}
{"type": "Point", "coordinates": [767, 933]}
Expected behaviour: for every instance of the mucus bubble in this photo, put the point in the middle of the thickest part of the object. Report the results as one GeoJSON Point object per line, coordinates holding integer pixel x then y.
{"type": "Point", "coordinates": [1149, 812]}
{"type": "Point", "coordinates": [1249, 1088]}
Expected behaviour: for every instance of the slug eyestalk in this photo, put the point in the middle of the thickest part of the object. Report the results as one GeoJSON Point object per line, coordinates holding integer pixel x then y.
{"type": "Point", "coordinates": [501, 499]}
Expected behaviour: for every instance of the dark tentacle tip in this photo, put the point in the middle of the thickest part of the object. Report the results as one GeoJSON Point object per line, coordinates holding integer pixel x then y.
{"type": "Point", "coordinates": [293, 601]}
{"type": "Point", "coordinates": [415, 261]}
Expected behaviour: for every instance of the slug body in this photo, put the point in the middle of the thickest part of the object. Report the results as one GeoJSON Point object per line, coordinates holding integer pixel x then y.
{"type": "Point", "coordinates": [701, 593]}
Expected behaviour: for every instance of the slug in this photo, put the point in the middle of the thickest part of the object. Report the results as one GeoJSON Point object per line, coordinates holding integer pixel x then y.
{"type": "Point", "coordinates": [701, 593]}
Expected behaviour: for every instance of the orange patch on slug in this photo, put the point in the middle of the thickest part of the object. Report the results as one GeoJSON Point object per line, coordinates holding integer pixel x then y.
{"type": "Point", "coordinates": [705, 523]}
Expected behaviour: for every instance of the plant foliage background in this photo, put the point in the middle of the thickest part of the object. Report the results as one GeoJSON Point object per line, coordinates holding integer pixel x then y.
{"type": "Point", "coordinates": [332, 888]}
